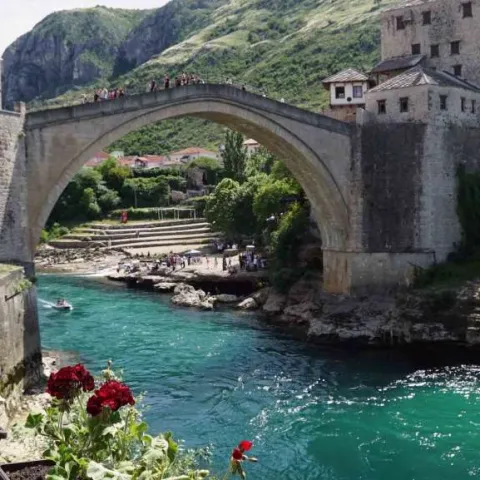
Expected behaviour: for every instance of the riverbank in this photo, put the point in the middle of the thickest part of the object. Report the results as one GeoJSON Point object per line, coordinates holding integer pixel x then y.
{"type": "Point", "coordinates": [21, 444]}
{"type": "Point", "coordinates": [443, 316]}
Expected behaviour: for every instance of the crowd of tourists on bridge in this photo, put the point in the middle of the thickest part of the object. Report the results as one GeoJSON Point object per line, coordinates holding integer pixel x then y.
{"type": "Point", "coordinates": [180, 81]}
{"type": "Point", "coordinates": [185, 79]}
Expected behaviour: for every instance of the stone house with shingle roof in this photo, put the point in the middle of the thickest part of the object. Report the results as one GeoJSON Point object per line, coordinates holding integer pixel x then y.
{"type": "Point", "coordinates": [427, 96]}
{"type": "Point", "coordinates": [347, 93]}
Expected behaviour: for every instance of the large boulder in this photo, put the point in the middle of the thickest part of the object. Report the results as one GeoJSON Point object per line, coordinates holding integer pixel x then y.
{"type": "Point", "coordinates": [165, 286]}
{"type": "Point", "coordinates": [187, 296]}
{"type": "Point", "coordinates": [248, 304]}
{"type": "Point", "coordinates": [275, 303]}
{"type": "Point", "coordinates": [225, 298]}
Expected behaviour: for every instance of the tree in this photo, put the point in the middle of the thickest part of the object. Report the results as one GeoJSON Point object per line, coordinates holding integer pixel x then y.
{"type": "Point", "coordinates": [114, 174]}
{"type": "Point", "coordinates": [108, 199]}
{"type": "Point", "coordinates": [260, 162]}
{"type": "Point", "coordinates": [146, 192]}
{"type": "Point", "coordinates": [220, 207]}
{"type": "Point", "coordinates": [273, 198]}
{"type": "Point", "coordinates": [89, 204]}
{"type": "Point", "coordinates": [234, 156]}
{"type": "Point", "coordinates": [230, 207]}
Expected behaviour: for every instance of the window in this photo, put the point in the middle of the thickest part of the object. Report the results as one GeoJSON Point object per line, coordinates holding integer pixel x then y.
{"type": "Point", "coordinates": [427, 17]}
{"type": "Point", "coordinates": [463, 104]}
{"type": "Point", "coordinates": [416, 49]}
{"type": "Point", "coordinates": [474, 106]}
{"type": "Point", "coordinates": [467, 9]}
{"type": "Point", "coordinates": [457, 70]}
{"type": "Point", "coordinates": [400, 23]}
{"type": "Point", "coordinates": [443, 102]}
{"type": "Point", "coordinates": [339, 92]}
{"type": "Point", "coordinates": [404, 104]}
{"type": "Point", "coordinates": [357, 91]}
{"type": "Point", "coordinates": [434, 51]}
{"type": "Point", "coordinates": [455, 48]}
{"type": "Point", "coordinates": [382, 107]}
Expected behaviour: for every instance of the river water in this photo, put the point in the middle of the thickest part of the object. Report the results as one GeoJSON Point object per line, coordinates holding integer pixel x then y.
{"type": "Point", "coordinates": [313, 412]}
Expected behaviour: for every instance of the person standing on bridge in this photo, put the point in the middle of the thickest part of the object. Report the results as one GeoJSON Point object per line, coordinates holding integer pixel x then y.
{"type": "Point", "coordinates": [153, 86]}
{"type": "Point", "coordinates": [166, 82]}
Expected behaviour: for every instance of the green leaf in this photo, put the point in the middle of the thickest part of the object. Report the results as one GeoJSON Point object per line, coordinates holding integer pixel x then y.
{"type": "Point", "coordinates": [97, 471]}
{"type": "Point", "coordinates": [34, 420]}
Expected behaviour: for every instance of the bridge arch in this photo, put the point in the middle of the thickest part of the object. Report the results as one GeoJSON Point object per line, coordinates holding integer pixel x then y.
{"type": "Point", "coordinates": [61, 142]}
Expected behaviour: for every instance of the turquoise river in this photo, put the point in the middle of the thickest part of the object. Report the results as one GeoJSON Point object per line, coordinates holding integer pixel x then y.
{"type": "Point", "coordinates": [313, 412]}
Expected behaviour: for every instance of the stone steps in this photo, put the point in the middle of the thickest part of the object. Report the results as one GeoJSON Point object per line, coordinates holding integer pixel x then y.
{"type": "Point", "coordinates": [139, 235]}
{"type": "Point", "coordinates": [135, 226]}
{"type": "Point", "coordinates": [159, 241]}
{"type": "Point", "coordinates": [133, 234]}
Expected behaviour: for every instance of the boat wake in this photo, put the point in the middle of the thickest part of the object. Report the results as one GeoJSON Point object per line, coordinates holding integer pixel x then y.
{"type": "Point", "coordinates": [46, 304]}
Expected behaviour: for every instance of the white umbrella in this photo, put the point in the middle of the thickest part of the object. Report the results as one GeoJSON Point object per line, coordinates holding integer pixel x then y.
{"type": "Point", "coordinates": [250, 247]}
{"type": "Point", "coordinates": [193, 252]}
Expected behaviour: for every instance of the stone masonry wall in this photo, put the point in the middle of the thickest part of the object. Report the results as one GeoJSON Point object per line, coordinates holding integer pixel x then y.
{"type": "Point", "coordinates": [447, 25]}
{"type": "Point", "coordinates": [20, 354]}
{"type": "Point", "coordinates": [13, 190]}
{"type": "Point", "coordinates": [390, 183]}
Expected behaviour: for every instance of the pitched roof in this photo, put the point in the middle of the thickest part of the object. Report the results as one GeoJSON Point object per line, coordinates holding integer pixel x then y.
{"type": "Point", "coordinates": [192, 151]}
{"type": "Point", "coordinates": [424, 76]}
{"type": "Point", "coordinates": [348, 75]}
{"type": "Point", "coordinates": [250, 141]}
{"type": "Point", "coordinates": [397, 63]}
{"type": "Point", "coordinates": [408, 4]}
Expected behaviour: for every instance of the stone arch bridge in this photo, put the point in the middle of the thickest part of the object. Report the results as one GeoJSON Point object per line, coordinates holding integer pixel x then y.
{"type": "Point", "coordinates": [367, 183]}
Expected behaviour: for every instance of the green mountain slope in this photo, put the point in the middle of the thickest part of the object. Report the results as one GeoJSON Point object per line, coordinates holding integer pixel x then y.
{"type": "Point", "coordinates": [284, 48]}
{"type": "Point", "coordinates": [67, 49]}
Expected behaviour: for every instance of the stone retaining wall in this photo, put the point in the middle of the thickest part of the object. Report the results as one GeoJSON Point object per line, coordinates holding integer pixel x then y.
{"type": "Point", "coordinates": [20, 354]}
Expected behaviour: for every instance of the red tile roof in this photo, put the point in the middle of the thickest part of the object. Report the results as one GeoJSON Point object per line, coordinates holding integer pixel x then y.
{"type": "Point", "coordinates": [191, 151]}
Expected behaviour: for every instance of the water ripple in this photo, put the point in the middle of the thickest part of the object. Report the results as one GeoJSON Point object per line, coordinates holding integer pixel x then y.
{"type": "Point", "coordinates": [314, 413]}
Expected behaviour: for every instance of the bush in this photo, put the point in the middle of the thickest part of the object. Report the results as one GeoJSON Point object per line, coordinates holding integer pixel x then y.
{"type": "Point", "coordinates": [198, 203]}
{"type": "Point", "coordinates": [285, 246]}
{"type": "Point", "coordinates": [109, 200]}
{"type": "Point", "coordinates": [284, 278]}
{"type": "Point", "coordinates": [146, 192]}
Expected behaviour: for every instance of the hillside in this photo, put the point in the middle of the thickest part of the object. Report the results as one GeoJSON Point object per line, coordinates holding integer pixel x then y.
{"type": "Point", "coordinates": [282, 47]}
{"type": "Point", "coordinates": [66, 49]}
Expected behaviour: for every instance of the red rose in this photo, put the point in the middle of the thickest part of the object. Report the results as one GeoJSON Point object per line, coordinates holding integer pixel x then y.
{"type": "Point", "coordinates": [245, 445]}
{"type": "Point", "coordinates": [237, 454]}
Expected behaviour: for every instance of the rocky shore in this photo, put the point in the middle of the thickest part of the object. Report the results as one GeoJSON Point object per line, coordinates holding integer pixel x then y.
{"type": "Point", "coordinates": [435, 316]}
{"type": "Point", "coordinates": [21, 444]}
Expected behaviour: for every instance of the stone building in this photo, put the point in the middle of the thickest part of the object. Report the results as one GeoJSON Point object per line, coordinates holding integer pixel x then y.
{"type": "Point", "coordinates": [251, 146]}
{"type": "Point", "coordinates": [426, 96]}
{"type": "Point", "coordinates": [441, 34]}
{"type": "Point", "coordinates": [347, 93]}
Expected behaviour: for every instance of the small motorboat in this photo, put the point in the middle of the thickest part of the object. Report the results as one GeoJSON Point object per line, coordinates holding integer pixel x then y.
{"type": "Point", "coordinates": [62, 305]}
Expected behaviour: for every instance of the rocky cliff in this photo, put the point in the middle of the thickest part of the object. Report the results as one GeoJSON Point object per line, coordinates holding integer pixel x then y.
{"type": "Point", "coordinates": [163, 28]}
{"type": "Point", "coordinates": [66, 50]}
